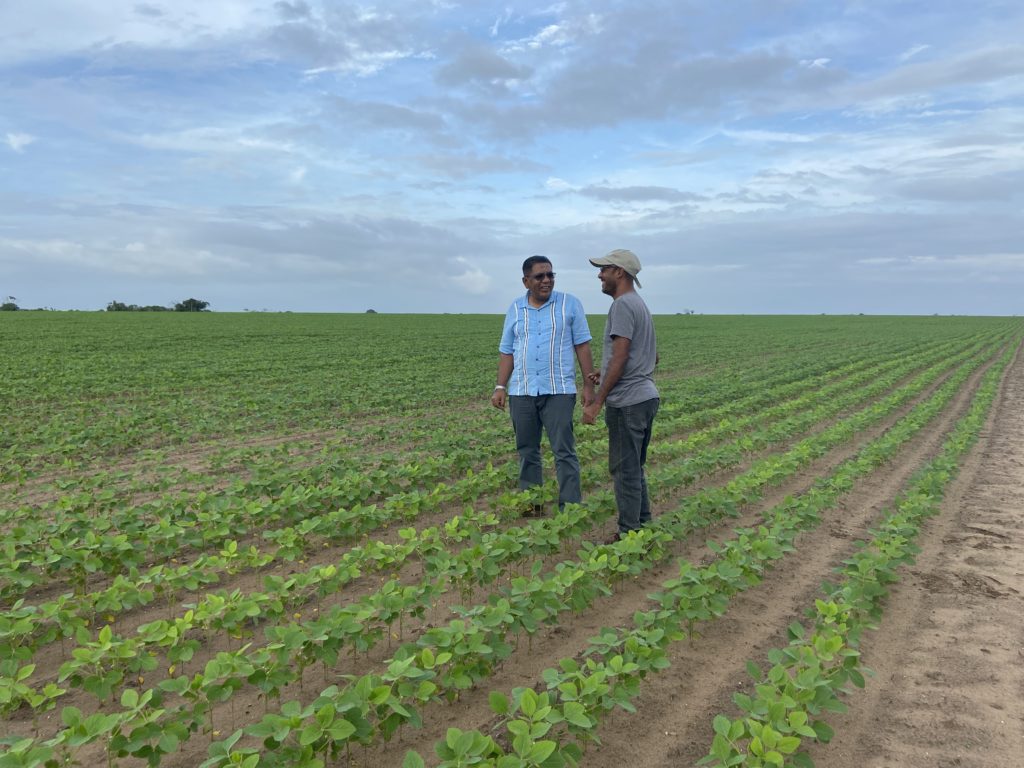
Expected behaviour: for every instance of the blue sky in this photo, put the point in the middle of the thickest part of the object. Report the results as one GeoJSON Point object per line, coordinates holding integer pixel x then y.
{"type": "Point", "coordinates": [759, 156]}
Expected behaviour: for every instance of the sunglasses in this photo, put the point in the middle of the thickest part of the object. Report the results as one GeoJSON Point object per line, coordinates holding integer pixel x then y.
{"type": "Point", "coordinates": [543, 275]}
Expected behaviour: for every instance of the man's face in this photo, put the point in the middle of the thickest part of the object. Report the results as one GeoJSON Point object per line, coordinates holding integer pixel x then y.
{"type": "Point", "coordinates": [609, 277]}
{"type": "Point", "coordinates": [540, 282]}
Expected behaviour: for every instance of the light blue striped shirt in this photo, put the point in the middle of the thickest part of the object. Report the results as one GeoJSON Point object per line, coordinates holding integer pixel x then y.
{"type": "Point", "coordinates": [542, 343]}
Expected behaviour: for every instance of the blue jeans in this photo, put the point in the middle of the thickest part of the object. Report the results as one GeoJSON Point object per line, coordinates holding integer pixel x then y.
{"type": "Point", "coordinates": [629, 434]}
{"type": "Point", "coordinates": [553, 413]}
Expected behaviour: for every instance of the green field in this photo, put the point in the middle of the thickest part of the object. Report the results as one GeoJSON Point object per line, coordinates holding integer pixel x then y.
{"type": "Point", "coordinates": [81, 388]}
{"type": "Point", "coordinates": [294, 539]}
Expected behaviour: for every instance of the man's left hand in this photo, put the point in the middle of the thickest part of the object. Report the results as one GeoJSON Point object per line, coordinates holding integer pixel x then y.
{"type": "Point", "coordinates": [589, 395]}
{"type": "Point", "coordinates": [590, 412]}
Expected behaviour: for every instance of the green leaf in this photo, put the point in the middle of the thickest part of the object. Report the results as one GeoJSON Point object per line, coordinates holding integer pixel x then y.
{"type": "Point", "coordinates": [464, 743]}
{"type": "Point", "coordinates": [169, 742]}
{"type": "Point", "coordinates": [129, 698]}
{"type": "Point", "coordinates": [834, 705]}
{"type": "Point", "coordinates": [499, 702]}
{"type": "Point", "coordinates": [528, 703]}
{"type": "Point", "coordinates": [341, 729]}
{"type": "Point", "coordinates": [576, 714]}
{"type": "Point", "coordinates": [395, 706]}
{"type": "Point", "coordinates": [721, 724]}
{"type": "Point", "coordinates": [737, 730]}
{"type": "Point", "coordinates": [797, 719]}
{"type": "Point", "coordinates": [413, 760]}
{"type": "Point", "coordinates": [518, 728]}
{"type": "Point", "coordinates": [788, 744]}
{"type": "Point", "coordinates": [452, 737]}
{"type": "Point", "coordinates": [823, 731]}
{"type": "Point", "coordinates": [542, 750]}
{"type": "Point", "coordinates": [25, 672]}
{"type": "Point", "coordinates": [71, 716]}
{"type": "Point", "coordinates": [720, 747]}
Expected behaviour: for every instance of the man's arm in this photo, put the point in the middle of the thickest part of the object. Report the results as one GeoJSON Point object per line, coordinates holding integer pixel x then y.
{"type": "Point", "coordinates": [620, 354]}
{"type": "Point", "coordinates": [505, 363]}
{"type": "Point", "coordinates": [586, 361]}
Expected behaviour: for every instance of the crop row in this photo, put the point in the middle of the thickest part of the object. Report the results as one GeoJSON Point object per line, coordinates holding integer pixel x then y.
{"type": "Point", "coordinates": [81, 392]}
{"type": "Point", "coordinates": [82, 546]}
{"type": "Point", "coordinates": [552, 728]}
{"type": "Point", "coordinates": [758, 479]}
{"type": "Point", "coordinates": [22, 626]}
{"type": "Point", "coordinates": [790, 700]}
{"type": "Point", "coordinates": [434, 438]}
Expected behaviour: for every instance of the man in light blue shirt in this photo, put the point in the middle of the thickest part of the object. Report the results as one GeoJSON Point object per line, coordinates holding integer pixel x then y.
{"type": "Point", "coordinates": [544, 331]}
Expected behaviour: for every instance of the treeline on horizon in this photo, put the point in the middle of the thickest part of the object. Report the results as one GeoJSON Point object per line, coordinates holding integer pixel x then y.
{"type": "Point", "coordinates": [188, 305]}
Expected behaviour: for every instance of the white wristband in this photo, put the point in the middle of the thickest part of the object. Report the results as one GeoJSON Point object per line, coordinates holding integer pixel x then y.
{"type": "Point", "coordinates": [499, 386]}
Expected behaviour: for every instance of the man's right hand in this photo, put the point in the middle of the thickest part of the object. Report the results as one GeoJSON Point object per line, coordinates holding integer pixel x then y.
{"type": "Point", "coordinates": [498, 399]}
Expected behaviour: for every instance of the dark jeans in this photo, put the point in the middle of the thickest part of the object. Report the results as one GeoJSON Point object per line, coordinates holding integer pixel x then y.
{"type": "Point", "coordinates": [629, 434]}
{"type": "Point", "coordinates": [552, 413]}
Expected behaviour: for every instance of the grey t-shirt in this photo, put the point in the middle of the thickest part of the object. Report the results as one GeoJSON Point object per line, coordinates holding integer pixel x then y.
{"type": "Point", "coordinates": [628, 316]}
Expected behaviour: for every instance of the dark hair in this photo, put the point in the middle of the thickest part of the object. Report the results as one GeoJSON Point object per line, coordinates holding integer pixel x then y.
{"type": "Point", "coordinates": [528, 264]}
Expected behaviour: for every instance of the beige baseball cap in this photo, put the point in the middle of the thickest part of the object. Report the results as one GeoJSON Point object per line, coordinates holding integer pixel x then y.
{"type": "Point", "coordinates": [620, 257]}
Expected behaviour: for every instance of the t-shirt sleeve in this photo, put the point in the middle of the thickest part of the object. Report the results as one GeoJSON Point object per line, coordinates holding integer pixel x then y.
{"type": "Point", "coordinates": [578, 318]}
{"type": "Point", "coordinates": [621, 321]}
{"type": "Point", "coordinates": [507, 344]}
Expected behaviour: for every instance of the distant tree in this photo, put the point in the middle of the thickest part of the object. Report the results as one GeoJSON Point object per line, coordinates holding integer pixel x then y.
{"type": "Point", "coordinates": [120, 306]}
{"type": "Point", "coordinates": [371, 311]}
{"type": "Point", "coordinates": [9, 306]}
{"type": "Point", "coordinates": [191, 305]}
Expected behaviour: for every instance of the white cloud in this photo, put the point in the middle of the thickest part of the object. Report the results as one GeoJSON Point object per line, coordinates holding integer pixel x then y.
{"type": "Point", "coordinates": [769, 136]}
{"type": "Point", "coordinates": [990, 262]}
{"type": "Point", "coordinates": [689, 269]}
{"type": "Point", "coordinates": [46, 28]}
{"type": "Point", "coordinates": [214, 139]}
{"type": "Point", "coordinates": [362, 63]}
{"type": "Point", "coordinates": [137, 259]}
{"type": "Point", "coordinates": [18, 141]}
{"type": "Point", "coordinates": [557, 185]}
{"type": "Point", "coordinates": [913, 51]}
{"type": "Point", "coordinates": [553, 34]}
{"type": "Point", "coordinates": [474, 280]}
{"type": "Point", "coordinates": [498, 22]}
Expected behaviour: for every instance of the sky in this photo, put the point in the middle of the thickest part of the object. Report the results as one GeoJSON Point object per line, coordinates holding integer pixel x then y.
{"type": "Point", "coordinates": [759, 156]}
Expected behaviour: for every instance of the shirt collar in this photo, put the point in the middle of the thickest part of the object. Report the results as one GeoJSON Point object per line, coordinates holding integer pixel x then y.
{"type": "Point", "coordinates": [528, 305]}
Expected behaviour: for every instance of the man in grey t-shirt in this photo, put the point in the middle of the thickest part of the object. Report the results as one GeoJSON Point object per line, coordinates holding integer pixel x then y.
{"type": "Point", "coordinates": [627, 387]}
